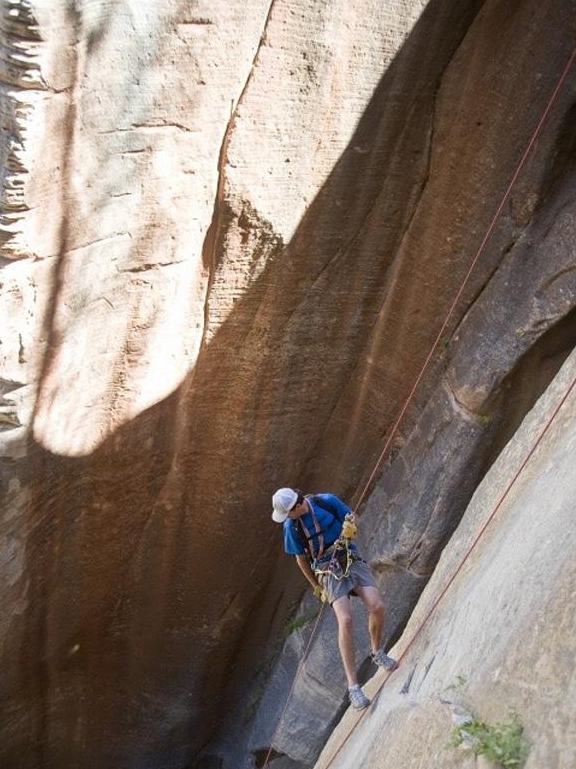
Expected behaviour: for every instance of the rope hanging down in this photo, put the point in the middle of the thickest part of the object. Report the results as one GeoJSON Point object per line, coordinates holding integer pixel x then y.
{"type": "Point", "coordinates": [462, 563]}
{"type": "Point", "coordinates": [481, 248]}
{"type": "Point", "coordinates": [404, 408]}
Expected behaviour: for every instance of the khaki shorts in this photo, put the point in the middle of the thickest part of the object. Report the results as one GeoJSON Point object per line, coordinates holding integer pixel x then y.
{"type": "Point", "coordinates": [359, 576]}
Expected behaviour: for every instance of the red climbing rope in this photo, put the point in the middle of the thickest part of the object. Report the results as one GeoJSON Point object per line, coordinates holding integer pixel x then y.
{"type": "Point", "coordinates": [467, 276]}
{"type": "Point", "coordinates": [407, 403]}
{"type": "Point", "coordinates": [298, 669]}
{"type": "Point", "coordinates": [458, 569]}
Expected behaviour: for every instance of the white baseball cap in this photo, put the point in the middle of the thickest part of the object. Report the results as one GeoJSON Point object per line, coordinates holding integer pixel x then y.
{"type": "Point", "coordinates": [283, 501]}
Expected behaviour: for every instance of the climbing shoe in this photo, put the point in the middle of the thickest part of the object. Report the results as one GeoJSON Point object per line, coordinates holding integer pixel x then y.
{"type": "Point", "coordinates": [381, 659]}
{"type": "Point", "coordinates": [357, 698]}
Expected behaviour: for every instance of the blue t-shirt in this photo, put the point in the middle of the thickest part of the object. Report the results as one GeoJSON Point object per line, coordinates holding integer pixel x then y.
{"type": "Point", "coordinates": [330, 521]}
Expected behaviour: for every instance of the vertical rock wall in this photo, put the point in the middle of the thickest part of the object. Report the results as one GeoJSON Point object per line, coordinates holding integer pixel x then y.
{"type": "Point", "coordinates": [501, 637]}
{"type": "Point", "coordinates": [229, 231]}
{"type": "Point", "coordinates": [490, 366]}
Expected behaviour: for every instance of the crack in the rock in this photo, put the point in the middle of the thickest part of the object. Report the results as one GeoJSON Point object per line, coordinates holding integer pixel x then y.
{"type": "Point", "coordinates": [103, 239]}
{"type": "Point", "coordinates": [407, 683]}
{"type": "Point", "coordinates": [212, 238]}
{"type": "Point", "coordinates": [547, 284]}
{"type": "Point", "coordinates": [160, 126]}
{"type": "Point", "coordinates": [150, 266]}
{"type": "Point", "coordinates": [203, 22]}
{"type": "Point", "coordinates": [481, 288]}
{"type": "Point", "coordinates": [468, 414]}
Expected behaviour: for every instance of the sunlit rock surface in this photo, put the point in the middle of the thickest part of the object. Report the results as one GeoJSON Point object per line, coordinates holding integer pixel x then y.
{"type": "Point", "coordinates": [501, 637]}
{"type": "Point", "coordinates": [230, 234]}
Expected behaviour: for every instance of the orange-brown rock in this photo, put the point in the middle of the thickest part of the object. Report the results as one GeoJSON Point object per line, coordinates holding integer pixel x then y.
{"type": "Point", "coordinates": [230, 233]}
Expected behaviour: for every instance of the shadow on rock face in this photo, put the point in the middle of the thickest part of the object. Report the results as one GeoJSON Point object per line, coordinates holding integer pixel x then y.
{"type": "Point", "coordinates": [153, 577]}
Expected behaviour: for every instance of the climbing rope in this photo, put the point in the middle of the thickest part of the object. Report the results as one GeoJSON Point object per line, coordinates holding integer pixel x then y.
{"type": "Point", "coordinates": [460, 566]}
{"type": "Point", "coordinates": [298, 669]}
{"type": "Point", "coordinates": [404, 408]}
{"type": "Point", "coordinates": [481, 248]}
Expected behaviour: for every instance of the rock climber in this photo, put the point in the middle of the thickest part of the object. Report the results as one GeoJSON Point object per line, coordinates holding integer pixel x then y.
{"type": "Point", "coordinates": [319, 531]}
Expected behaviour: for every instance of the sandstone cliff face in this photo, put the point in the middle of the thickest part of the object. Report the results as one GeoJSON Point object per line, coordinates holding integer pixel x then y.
{"type": "Point", "coordinates": [503, 637]}
{"type": "Point", "coordinates": [230, 232]}
{"type": "Point", "coordinates": [498, 359]}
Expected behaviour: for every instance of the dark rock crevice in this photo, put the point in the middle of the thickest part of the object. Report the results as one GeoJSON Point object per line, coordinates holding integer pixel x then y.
{"type": "Point", "coordinates": [526, 382]}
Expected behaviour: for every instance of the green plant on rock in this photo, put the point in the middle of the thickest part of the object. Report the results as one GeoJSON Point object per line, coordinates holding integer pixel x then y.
{"type": "Point", "coordinates": [501, 743]}
{"type": "Point", "coordinates": [299, 622]}
{"type": "Point", "coordinates": [459, 684]}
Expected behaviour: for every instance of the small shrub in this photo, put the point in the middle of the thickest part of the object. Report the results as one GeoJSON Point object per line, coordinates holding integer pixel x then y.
{"type": "Point", "coordinates": [459, 683]}
{"type": "Point", "coordinates": [502, 743]}
{"type": "Point", "coordinates": [299, 622]}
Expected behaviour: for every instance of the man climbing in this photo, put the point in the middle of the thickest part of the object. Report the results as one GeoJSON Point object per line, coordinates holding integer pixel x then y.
{"type": "Point", "coordinates": [318, 531]}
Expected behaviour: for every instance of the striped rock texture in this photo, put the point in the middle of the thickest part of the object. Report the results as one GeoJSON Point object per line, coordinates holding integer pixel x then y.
{"type": "Point", "coordinates": [230, 234]}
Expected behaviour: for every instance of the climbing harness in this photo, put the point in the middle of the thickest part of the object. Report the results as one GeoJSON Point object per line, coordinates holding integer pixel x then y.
{"type": "Point", "coordinates": [338, 559]}
{"type": "Point", "coordinates": [337, 565]}
{"type": "Point", "coordinates": [432, 609]}
{"type": "Point", "coordinates": [307, 537]}
{"type": "Point", "coordinates": [405, 406]}
{"type": "Point", "coordinates": [334, 560]}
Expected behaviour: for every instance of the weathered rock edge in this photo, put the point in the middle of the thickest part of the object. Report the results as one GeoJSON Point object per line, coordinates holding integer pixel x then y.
{"type": "Point", "coordinates": [503, 637]}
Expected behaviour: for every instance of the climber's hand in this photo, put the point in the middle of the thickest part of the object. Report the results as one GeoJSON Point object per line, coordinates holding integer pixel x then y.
{"type": "Point", "coordinates": [320, 594]}
{"type": "Point", "coordinates": [349, 528]}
